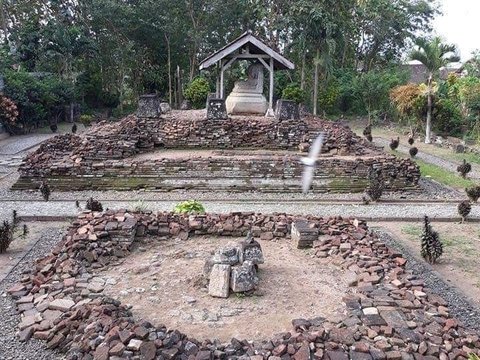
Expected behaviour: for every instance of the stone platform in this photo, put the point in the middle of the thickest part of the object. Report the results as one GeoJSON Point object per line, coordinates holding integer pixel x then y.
{"type": "Point", "coordinates": [225, 170]}
{"type": "Point", "coordinates": [234, 154]}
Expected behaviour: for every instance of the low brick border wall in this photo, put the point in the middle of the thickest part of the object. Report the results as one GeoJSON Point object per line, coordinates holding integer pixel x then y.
{"type": "Point", "coordinates": [392, 315]}
{"type": "Point", "coordinates": [270, 173]}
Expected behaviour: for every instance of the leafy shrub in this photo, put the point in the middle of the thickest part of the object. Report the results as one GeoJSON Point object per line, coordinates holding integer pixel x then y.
{"type": "Point", "coordinates": [74, 128]}
{"type": "Point", "coordinates": [54, 128]}
{"type": "Point", "coordinates": [432, 247]}
{"type": "Point", "coordinates": [197, 92]}
{"type": "Point", "coordinates": [464, 209]}
{"type": "Point", "coordinates": [447, 117]}
{"type": "Point", "coordinates": [294, 93]}
{"type": "Point", "coordinates": [94, 205]}
{"type": "Point", "coordinates": [189, 207]}
{"type": "Point", "coordinates": [86, 120]}
{"type": "Point", "coordinates": [39, 99]}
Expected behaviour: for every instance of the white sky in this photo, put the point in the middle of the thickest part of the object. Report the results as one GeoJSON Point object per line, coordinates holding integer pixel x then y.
{"type": "Point", "coordinates": [460, 25]}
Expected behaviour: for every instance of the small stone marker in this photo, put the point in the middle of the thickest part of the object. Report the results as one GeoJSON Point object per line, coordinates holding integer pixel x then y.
{"type": "Point", "coordinates": [216, 109]}
{"type": "Point", "coordinates": [243, 277]}
{"type": "Point", "coordinates": [303, 234]}
{"type": "Point", "coordinates": [219, 281]}
{"type": "Point", "coordinates": [287, 110]}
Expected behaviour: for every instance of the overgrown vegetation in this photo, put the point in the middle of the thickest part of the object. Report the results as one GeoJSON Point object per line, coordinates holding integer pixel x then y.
{"type": "Point", "coordinates": [442, 175]}
{"type": "Point", "coordinates": [432, 247]}
{"type": "Point", "coordinates": [8, 230]}
{"type": "Point", "coordinates": [189, 207]}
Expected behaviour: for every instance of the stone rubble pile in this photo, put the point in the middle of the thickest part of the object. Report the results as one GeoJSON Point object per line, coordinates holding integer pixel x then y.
{"type": "Point", "coordinates": [234, 266]}
{"type": "Point", "coordinates": [391, 314]}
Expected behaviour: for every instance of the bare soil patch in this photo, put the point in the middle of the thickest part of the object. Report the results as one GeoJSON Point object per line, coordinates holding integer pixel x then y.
{"type": "Point", "coordinates": [163, 282]}
{"type": "Point", "coordinates": [459, 264]}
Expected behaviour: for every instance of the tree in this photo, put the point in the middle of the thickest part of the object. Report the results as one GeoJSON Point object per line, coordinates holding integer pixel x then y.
{"type": "Point", "coordinates": [433, 54]}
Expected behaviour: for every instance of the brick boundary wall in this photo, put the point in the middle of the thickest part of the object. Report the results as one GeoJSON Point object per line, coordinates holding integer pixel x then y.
{"type": "Point", "coordinates": [389, 315]}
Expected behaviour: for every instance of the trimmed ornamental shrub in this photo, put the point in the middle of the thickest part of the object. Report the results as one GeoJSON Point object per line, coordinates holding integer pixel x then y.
{"type": "Point", "coordinates": [464, 209]}
{"type": "Point", "coordinates": [473, 193]}
{"type": "Point", "coordinates": [432, 247]}
{"type": "Point", "coordinates": [54, 128]}
{"type": "Point", "coordinates": [45, 190]}
{"type": "Point", "coordinates": [197, 92]}
{"type": "Point", "coordinates": [294, 93]}
{"type": "Point", "coordinates": [189, 207]}
{"type": "Point", "coordinates": [376, 184]}
{"type": "Point", "coordinates": [94, 205]}
{"type": "Point", "coordinates": [74, 128]}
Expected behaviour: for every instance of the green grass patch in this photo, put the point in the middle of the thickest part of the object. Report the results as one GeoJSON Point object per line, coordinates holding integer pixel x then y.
{"type": "Point", "coordinates": [412, 230]}
{"type": "Point", "coordinates": [469, 157]}
{"type": "Point", "coordinates": [443, 176]}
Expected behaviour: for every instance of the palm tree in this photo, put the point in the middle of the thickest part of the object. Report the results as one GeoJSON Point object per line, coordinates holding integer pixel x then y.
{"type": "Point", "coordinates": [433, 54]}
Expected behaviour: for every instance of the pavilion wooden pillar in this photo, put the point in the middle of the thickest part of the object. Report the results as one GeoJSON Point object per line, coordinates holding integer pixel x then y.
{"type": "Point", "coordinates": [271, 69]}
{"type": "Point", "coordinates": [222, 70]}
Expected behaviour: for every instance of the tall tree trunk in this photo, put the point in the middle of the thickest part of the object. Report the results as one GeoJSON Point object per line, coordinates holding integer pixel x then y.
{"type": "Point", "coordinates": [429, 111]}
{"type": "Point", "coordinates": [302, 73]}
{"type": "Point", "coordinates": [4, 23]}
{"type": "Point", "coordinates": [315, 82]}
{"type": "Point", "coordinates": [169, 55]}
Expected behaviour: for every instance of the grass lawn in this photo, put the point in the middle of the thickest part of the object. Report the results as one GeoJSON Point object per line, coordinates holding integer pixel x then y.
{"type": "Point", "coordinates": [443, 176]}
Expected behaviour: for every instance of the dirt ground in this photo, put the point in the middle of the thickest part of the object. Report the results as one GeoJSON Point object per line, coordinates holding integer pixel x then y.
{"type": "Point", "coordinates": [163, 282]}
{"type": "Point", "coordinates": [459, 264]}
{"type": "Point", "coordinates": [20, 245]}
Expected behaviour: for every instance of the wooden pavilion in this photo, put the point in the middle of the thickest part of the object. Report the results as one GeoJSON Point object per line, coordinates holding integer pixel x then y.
{"type": "Point", "coordinates": [247, 47]}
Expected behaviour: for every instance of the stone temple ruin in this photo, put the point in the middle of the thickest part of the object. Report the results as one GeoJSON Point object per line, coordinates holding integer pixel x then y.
{"type": "Point", "coordinates": [184, 150]}
{"type": "Point", "coordinates": [234, 267]}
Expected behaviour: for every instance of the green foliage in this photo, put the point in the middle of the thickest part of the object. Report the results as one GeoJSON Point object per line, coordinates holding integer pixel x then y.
{"type": "Point", "coordinates": [447, 117]}
{"type": "Point", "coordinates": [473, 356]}
{"type": "Point", "coordinates": [189, 207]}
{"type": "Point", "coordinates": [86, 119]}
{"type": "Point", "coordinates": [197, 92]}
{"type": "Point", "coordinates": [293, 92]}
{"type": "Point", "coordinates": [39, 99]}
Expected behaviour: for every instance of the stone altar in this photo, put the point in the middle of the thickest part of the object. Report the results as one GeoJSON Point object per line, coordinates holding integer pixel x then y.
{"type": "Point", "coordinates": [247, 95]}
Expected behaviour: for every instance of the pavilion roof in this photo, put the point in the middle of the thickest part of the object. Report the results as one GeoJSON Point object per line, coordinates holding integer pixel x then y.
{"type": "Point", "coordinates": [247, 44]}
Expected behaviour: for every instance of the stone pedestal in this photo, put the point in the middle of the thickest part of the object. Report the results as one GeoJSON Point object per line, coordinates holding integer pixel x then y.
{"type": "Point", "coordinates": [287, 110]}
{"type": "Point", "coordinates": [216, 109]}
{"type": "Point", "coordinates": [149, 106]}
{"type": "Point", "coordinates": [219, 281]}
{"type": "Point", "coordinates": [303, 234]}
{"type": "Point", "coordinates": [246, 103]}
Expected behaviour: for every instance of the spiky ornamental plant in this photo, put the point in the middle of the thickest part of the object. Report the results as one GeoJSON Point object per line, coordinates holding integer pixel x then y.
{"type": "Point", "coordinates": [394, 143]}
{"type": "Point", "coordinates": [432, 247]}
{"type": "Point", "coordinates": [376, 184]}
{"type": "Point", "coordinates": [367, 132]}
{"type": "Point", "coordinates": [411, 140]}
{"type": "Point", "coordinates": [464, 168]}
{"type": "Point", "coordinates": [7, 232]}
{"type": "Point", "coordinates": [473, 193]}
{"type": "Point", "coordinates": [74, 128]}
{"type": "Point", "coordinates": [94, 205]}
{"type": "Point", "coordinates": [413, 152]}
{"type": "Point", "coordinates": [45, 190]}
{"type": "Point", "coordinates": [464, 209]}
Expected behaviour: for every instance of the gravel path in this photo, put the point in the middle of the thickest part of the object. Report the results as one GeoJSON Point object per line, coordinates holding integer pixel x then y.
{"type": "Point", "coordinates": [16, 144]}
{"type": "Point", "coordinates": [460, 307]}
{"type": "Point", "coordinates": [376, 211]}
{"type": "Point", "coordinates": [432, 159]}
{"type": "Point", "coordinates": [10, 347]}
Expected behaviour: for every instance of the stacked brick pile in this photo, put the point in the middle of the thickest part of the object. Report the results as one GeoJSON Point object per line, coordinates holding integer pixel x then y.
{"type": "Point", "coordinates": [391, 316]}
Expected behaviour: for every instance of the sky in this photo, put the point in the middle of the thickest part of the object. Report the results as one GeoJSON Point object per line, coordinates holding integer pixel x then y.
{"type": "Point", "coordinates": [460, 25]}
